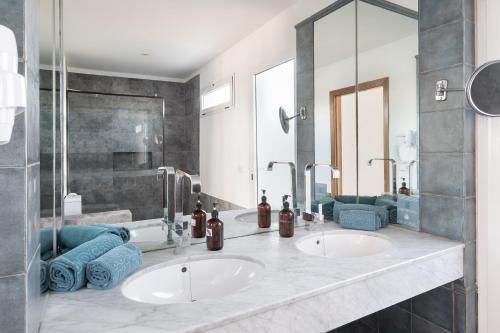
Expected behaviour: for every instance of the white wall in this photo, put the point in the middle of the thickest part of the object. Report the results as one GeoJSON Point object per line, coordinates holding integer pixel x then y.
{"type": "Point", "coordinates": [488, 179]}
{"type": "Point", "coordinates": [227, 139]}
{"type": "Point", "coordinates": [374, 64]}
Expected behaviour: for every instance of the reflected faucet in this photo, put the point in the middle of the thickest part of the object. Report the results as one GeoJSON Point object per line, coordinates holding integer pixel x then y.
{"type": "Point", "coordinates": [394, 172]}
{"type": "Point", "coordinates": [309, 181]}
{"type": "Point", "coordinates": [409, 173]}
{"type": "Point", "coordinates": [293, 176]}
{"type": "Point", "coordinates": [179, 231]}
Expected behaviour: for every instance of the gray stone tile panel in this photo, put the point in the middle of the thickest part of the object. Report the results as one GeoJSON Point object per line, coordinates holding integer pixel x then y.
{"type": "Point", "coordinates": [12, 221]}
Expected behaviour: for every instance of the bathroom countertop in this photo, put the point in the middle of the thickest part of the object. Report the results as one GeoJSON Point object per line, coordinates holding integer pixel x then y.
{"type": "Point", "coordinates": [296, 293]}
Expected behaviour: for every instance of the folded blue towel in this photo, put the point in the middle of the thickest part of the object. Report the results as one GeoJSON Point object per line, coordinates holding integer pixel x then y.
{"type": "Point", "coordinates": [328, 203]}
{"type": "Point", "coordinates": [46, 241]}
{"type": "Point", "coordinates": [44, 276]}
{"type": "Point", "coordinates": [391, 206]}
{"type": "Point", "coordinates": [71, 236]}
{"type": "Point", "coordinates": [352, 199]}
{"type": "Point", "coordinates": [381, 211]}
{"type": "Point", "coordinates": [67, 272]}
{"type": "Point", "coordinates": [112, 267]}
{"type": "Point", "coordinates": [360, 220]}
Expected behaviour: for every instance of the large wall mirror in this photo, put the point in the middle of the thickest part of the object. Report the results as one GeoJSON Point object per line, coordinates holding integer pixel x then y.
{"type": "Point", "coordinates": [366, 101]}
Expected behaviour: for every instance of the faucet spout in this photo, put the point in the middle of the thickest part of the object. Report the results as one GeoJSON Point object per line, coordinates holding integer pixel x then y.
{"type": "Point", "coordinates": [174, 202]}
{"type": "Point", "coordinates": [394, 172]}
{"type": "Point", "coordinates": [309, 181]}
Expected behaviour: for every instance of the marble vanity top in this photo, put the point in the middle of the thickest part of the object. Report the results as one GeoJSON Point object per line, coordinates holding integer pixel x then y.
{"type": "Point", "coordinates": [296, 293]}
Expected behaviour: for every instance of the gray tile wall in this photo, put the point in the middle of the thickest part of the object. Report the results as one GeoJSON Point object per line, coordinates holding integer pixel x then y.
{"type": "Point", "coordinates": [19, 179]}
{"type": "Point", "coordinates": [100, 157]}
{"type": "Point", "coordinates": [447, 133]}
{"type": "Point", "coordinates": [447, 139]}
{"type": "Point", "coordinates": [305, 98]}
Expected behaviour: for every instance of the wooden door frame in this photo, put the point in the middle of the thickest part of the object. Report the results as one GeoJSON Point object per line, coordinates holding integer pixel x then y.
{"type": "Point", "coordinates": [336, 127]}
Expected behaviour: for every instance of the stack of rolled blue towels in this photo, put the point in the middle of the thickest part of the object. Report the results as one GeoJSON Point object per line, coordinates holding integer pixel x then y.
{"type": "Point", "coordinates": [97, 256]}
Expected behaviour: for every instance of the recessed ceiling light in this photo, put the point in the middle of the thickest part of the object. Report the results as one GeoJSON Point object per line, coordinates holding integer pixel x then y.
{"type": "Point", "coordinates": [145, 54]}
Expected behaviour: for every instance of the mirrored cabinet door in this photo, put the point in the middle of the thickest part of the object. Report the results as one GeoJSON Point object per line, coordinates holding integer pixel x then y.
{"type": "Point", "coordinates": [387, 101]}
{"type": "Point", "coordinates": [335, 101]}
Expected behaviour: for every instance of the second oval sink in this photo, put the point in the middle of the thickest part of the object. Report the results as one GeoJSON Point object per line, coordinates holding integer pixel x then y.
{"type": "Point", "coordinates": [344, 244]}
{"type": "Point", "coordinates": [192, 280]}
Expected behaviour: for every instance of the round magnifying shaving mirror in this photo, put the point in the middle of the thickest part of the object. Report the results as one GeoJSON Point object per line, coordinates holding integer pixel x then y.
{"type": "Point", "coordinates": [483, 89]}
{"type": "Point", "coordinates": [285, 120]}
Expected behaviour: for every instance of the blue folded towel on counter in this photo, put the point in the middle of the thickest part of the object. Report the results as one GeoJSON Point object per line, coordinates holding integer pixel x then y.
{"type": "Point", "coordinates": [71, 236]}
{"type": "Point", "coordinates": [44, 276]}
{"type": "Point", "coordinates": [360, 220]}
{"type": "Point", "coordinates": [352, 199]}
{"type": "Point", "coordinates": [112, 267]}
{"type": "Point", "coordinates": [67, 272]}
{"type": "Point", "coordinates": [381, 211]}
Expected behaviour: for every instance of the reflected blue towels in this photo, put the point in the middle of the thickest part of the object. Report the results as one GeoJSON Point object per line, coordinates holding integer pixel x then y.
{"type": "Point", "coordinates": [381, 211]}
{"type": "Point", "coordinates": [328, 203]}
{"type": "Point", "coordinates": [46, 243]}
{"type": "Point", "coordinates": [112, 267]}
{"type": "Point", "coordinates": [391, 206]}
{"type": "Point", "coordinates": [360, 220]}
{"type": "Point", "coordinates": [44, 276]}
{"type": "Point", "coordinates": [72, 236]}
{"type": "Point", "coordinates": [67, 272]}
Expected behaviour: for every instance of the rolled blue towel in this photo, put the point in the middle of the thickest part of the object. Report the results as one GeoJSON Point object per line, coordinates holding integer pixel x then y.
{"type": "Point", "coordinates": [112, 267]}
{"type": "Point", "coordinates": [67, 272]}
{"type": "Point", "coordinates": [360, 220]}
{"type": "Point", "coordinates": [44, 276]}
{"type": "Point", "coordinates": [123, 232]}
{"type": "Point", "coordinates": [391, 205]}
{"type": "Point", "coordinates": [46, 242]}
{"type": "Point", "coordinates": [328, 203]}
{"type": "Point", "coordinates": [71, 236]}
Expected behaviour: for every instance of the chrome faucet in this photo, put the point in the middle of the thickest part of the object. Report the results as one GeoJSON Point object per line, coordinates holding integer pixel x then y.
{"type": "Point", "coordinates": [409, 174]}
{"type": "Point", "coordinates": [168, 176]}
{"type": "Point", "coordinates": [179, 231]}
{"type": "Point", "coordinates": [293, 176]}
{"type": "Point", "coordinates": [394, 172]}
{"type": "Point", "coordinates": [309, 187]}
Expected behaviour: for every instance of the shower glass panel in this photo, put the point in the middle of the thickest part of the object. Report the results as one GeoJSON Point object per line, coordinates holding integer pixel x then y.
{"type": "Point", "coordinates": [115, 145]}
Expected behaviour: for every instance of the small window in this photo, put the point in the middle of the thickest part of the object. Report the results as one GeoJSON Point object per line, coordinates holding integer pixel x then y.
{"type": "Point", "coordinates": [218, 96]}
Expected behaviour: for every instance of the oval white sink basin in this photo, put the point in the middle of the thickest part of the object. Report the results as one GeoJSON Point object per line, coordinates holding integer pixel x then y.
{"type": "Point", "coordinates": [252, 217]}
{"type": "Point", "coordinates": [344, 244]}
{"type": "Point", "coordinates": [194, 279]}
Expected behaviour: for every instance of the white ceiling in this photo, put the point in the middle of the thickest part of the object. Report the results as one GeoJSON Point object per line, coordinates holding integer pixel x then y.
{"type": "Point", "coordinates": [179, 36]}
{"type": "Point", "coordinates": [334, 35]}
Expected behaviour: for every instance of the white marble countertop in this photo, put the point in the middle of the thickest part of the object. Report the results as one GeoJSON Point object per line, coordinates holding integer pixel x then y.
{"type": "Point", "coordinates": [296, 293]}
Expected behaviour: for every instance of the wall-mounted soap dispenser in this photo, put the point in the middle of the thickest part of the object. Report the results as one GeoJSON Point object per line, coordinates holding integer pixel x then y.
{"type": "Point", "coordinates": [286, 219]}
{"type": "Point", "coordinates": [215, 231]}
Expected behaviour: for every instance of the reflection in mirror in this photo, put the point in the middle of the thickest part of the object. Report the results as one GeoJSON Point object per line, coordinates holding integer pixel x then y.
{"type": "Point", "coordinates": [482, 89]}
{"type": "Point", "coordinates": [132, 108]}
{"type": "Point", "coordinates": [366, 116]}
{"type": "Point", "coordinates": [387, 101]}
{"type": "Point", "coordinates": [335, 102]}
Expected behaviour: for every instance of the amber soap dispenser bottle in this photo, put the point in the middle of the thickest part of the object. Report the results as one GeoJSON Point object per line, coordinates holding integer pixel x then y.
{"type": "Point", "coordinates": [215, 231]}
{"type": "Point", "coordinates": [286, 219]}
{"type": "Point", "coordinates": [264, 212]}
{"type": "Point", "coordinates": [198, 221]}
